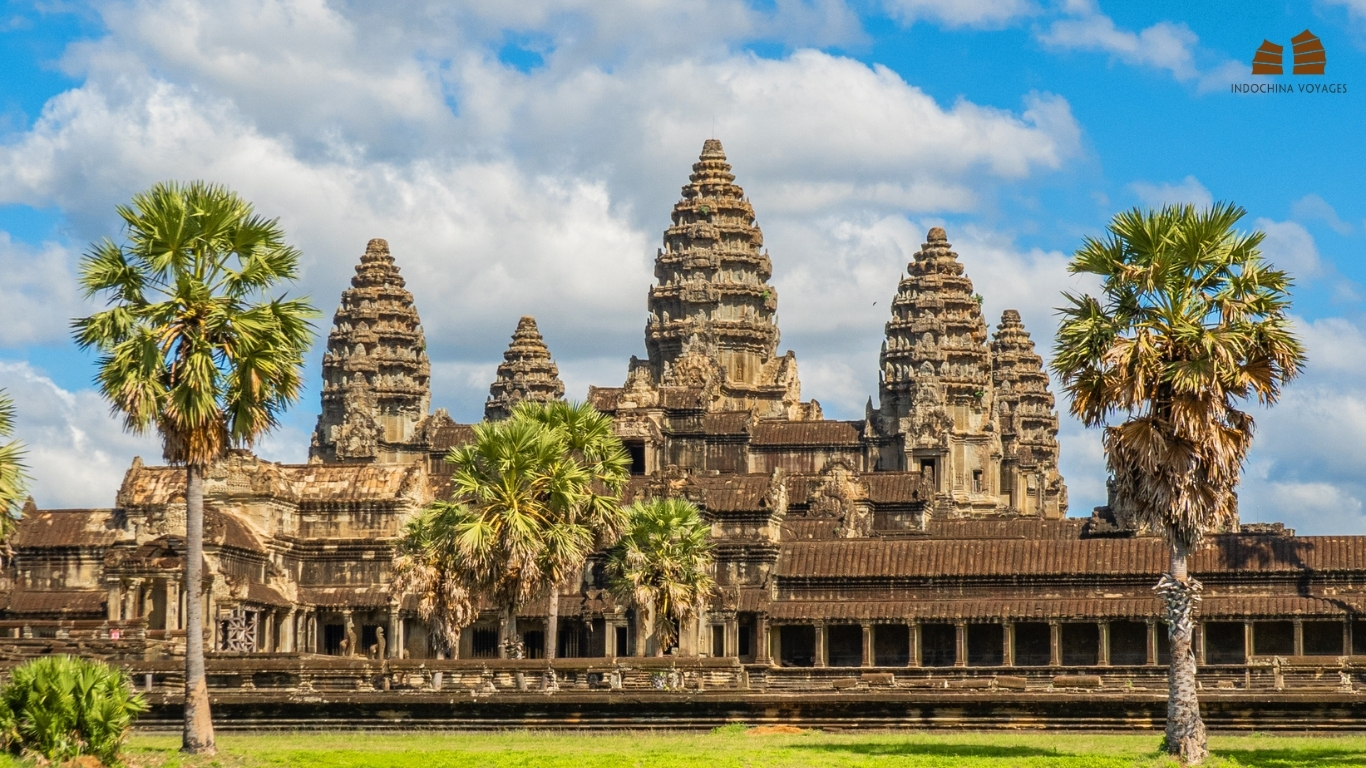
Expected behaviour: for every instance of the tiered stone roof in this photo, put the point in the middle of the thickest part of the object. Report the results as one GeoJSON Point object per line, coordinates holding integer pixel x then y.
{"type": "Point", "coordinates": [526, 373]}
{"type": "Point", "coordinates": [936, 331]}
{"type": "Point", "coordinates": [376, 375]}
{"type": "Point", "coordinates": [1025, 406]}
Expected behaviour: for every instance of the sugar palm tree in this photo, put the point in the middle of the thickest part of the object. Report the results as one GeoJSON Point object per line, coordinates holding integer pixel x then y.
{"type": "Point", "coordinates": [1190, 325]}
{"type": "Point", "coordinates": [662, 566]}
{"type": "Point", "coordinates": [598, 519]}
{"type": "Point", "coordinates": [11, 470]}
{"type": "Point", "coordinates": [192, 346]}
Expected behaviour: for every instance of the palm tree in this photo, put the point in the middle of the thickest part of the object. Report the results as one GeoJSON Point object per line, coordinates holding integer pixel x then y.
{"type": "Point", "coordinates": [12, 475]}
{"type": "Point", "coordinates": [662, 565]}
{"type": "Point", "coordinates": [509, 487]}
{"type": "Point", "coordinates": [1191, 324]}
{"type": "Point", "coordinates": [590, 441]}
{"type": "Point", "coordinates": [428, 566]}
{"type": "Point", "coordinates": [191, 346]}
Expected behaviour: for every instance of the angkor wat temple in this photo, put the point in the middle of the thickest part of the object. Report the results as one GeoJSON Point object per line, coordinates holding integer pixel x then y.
{"type": "Point", "coordinates": [925, 545]}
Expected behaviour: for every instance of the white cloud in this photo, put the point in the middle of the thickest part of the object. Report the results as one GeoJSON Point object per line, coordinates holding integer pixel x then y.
{"type": "Point", "coordinates": [1188, 190]}
{"type": "Point", "coordinates": [38, 292]}
{"type": "Point", "coordinates": [77, 452]}
{"type": "Point", "coordinates": [1313, 207]}
{"type": "Point", "coordinates": [1289, 246]}
{"type": "Point", "coordinates": [960, 13]}
{"type": "Point", "coordinates": [1165, 45]}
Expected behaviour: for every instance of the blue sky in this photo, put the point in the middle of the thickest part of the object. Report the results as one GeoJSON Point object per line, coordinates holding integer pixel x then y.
{"type": "Point", "coordinates": [522, 158]}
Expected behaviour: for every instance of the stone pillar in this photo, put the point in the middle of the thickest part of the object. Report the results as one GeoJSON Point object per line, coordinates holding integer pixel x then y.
{"type": "Point", "coordinates": [960, 637]}
{"type": "Point", "coordinates": [1299, 637]}
{"type": "Point", "coordinates": [1153, 628]}
{"type": "Point", "coordinates": [762, 649]}
{"type": "Point", "coordinates": [1104, 655]}
{"type": "Point", "coordinates": [732, 634]}
{"type": "Point", "coordinates": [913, 635]}
{"type": "Point", "coordinates": [867, 645]}
{"type": "Point", "coordinates": [1248, 641]}
{"type": "Point", "coordinates": [820, 643]}
{"type": "Point", "coordinates": [1198, 638]}
{"type": "Point", "coordinates": [172, 604]}
{"type": "Point", "coordinates": [115, 605]}
{"type": "Point", "coordinates": [1054, 644]}
{"type": "Point", "coordinates": [1008, 638]}
{"type": "Point", "coordinates": [393, 639]}
{"type": "Point", "coordinates": [1347, 637]}
{"type": "Point", "coordinates": [291, 634]}
{"type": "Point", "coordinates": [267, 644]}
{"type": "Point", "coordinates": [130, 599]}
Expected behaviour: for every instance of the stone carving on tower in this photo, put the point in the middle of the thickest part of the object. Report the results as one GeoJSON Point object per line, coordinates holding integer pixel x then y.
{"type": "Point", "coordinates": [376, 375]}
{"type": "Point", "coordinates": [1029, 423]}
{"type": "Point", "coordinates": [711, 328]}
{"type": "Point", "coordinates": [526, 373]}
{"type": "Point", "coordinates": [942, 393]}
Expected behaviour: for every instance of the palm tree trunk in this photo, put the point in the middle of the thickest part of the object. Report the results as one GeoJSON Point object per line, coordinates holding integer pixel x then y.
{"type": "Point", "coordinates": [1185, 730]}
{"type": "Point", "coordinates": [198, 736]}
{"type": "Point", "coordinates": [552, 624]}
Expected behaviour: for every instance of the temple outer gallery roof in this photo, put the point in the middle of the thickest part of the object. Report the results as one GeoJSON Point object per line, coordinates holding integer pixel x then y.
{"type": "Point", "coordinates": [942, 510]}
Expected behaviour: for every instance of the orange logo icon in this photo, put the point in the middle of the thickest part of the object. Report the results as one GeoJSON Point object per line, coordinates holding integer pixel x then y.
{"type": "Point", "coordinates": [1268, 59]}
{"type": "Point", "coordinates": [1309, 54]}
{"type": "Point", "coordinates": [1310, 57]}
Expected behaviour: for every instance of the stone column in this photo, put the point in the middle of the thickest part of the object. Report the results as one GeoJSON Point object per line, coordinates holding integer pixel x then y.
{"type": "Point", "coordinates": [1299, 637]}
{"type": "Point", "coordinates": [913, 635]}
{"type": "Point", "coordinates": [1347, 637]}
{"type": "Point", "coordinates": [291, 636]}
{"type": "Point", "coordinates": [1054, 644]}
{"type": "Point", "coordinates": [172, 604]}
{"type": "Point", "coordinates": [960, 644]}
{"type": "Point", "coordinates": [393, 639]}
{"type": "Point", "coordinates": [762, 650]}
{"type": "Point", "coordinates": [1104, 654]}
{"type": "Point", "coordinates": [131, 599]}
{"type": "Point", "coordinates": [1008, 639]}
{"type": "Point", "coordinates": [1153, 628]}
{"type": "Point", "coordinates": [732, 631]}
{"type": "Point", "coordinates": [267, 631]}
{"type": "Point", "coordinates": [1248, 640]}
{"type": "Point", "coordinates": [820, 643]}
{"type": "Point", "coordinates": [115, 604]}
{"type": "Point", "coordinates": [1198, 638]}
{"type": "Point", "coordinates": [868, 660]}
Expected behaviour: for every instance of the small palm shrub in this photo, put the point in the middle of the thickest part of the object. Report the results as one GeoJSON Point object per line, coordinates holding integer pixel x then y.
{"type": "Point", "coordinates": [62, 707]}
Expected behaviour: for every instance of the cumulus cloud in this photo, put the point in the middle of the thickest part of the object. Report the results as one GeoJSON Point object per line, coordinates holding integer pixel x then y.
{"type": "Point", "coordinates": [38, 294]}
{"type": "Point", "coordinates": [1289, 246]}
{"type": "Point", "coordinates": [77, 452]}
{"type": "Point", "coordinates": [1315, 208]}
{"type": "Point", "coordinates": [1188, 190]}
{"type": "Point", "coordinates": [1165, 45]}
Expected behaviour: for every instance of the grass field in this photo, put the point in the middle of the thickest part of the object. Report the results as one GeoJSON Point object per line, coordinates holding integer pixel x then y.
{"type": "Point", "coordinates": [732, 747]}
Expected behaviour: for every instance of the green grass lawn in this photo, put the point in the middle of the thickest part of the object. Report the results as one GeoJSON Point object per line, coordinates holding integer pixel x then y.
{"type": "Point", "coordinates": [731, 748]}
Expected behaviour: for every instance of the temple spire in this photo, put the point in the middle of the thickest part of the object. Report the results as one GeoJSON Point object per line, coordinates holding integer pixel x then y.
{"type": "Point", "coordinates": [1028, 418]}
{"type": "Point", "coordinates": [376, 375]}
{"type": "Point", "coordinates": [526, 373]}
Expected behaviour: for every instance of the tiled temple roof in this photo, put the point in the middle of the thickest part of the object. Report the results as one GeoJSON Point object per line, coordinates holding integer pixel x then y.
{"type": "Point", "coordinates": [64, 528]}
{"type": "Point", "coordinates": [57, 601]}
{"type": "Point", "coordinates": [814, 433]}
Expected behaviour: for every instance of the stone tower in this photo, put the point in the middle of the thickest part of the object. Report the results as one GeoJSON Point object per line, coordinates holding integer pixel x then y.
{"type": "Point", "coordinates": [1029, 479]}
{"type": "Point", "coordinates": [376, 376]}
{"type": "Point", "coordinates": [935, 382]}
{"type": "Point", "coordinates": [526, 373]}
{"type": "Point", "coordinates": [711, 323]}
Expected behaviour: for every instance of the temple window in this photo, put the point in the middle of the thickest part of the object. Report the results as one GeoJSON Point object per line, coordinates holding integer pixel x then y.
{"type": "Point", "coordinates": [976, 481]}
{"type": "Point", "coordinates": [1322, 638]}
{"type": "Point", "coordinates": [1273, 638]}
{"type": "Point", "coordinates": [636, 450]}
{"type": "Point", "coordinates": [844, 643]}
{"type": "Point", "coordinates": [797, 645]}
{"type": "Point", "coordinates": [938, 645]}
{"type": "Point", "coordinates": [1359, 638]}
{"type": "Point", "coordinates": [1224, 642]}
{"type": "Point", "coordinates": [1128, 643]}
{"type": "Point", "coordinates": [986, 643]}
{"type": "Point", "coordinates": [1080, 645]}
{"type": "Point", "coordinates": [1032, 644]}
{"type": "Point", "coordinates": [891, 645]}
{"type": "Point", "coordinates": [484, 643]}
{"type": "Point", "coordinates": [718, 640]}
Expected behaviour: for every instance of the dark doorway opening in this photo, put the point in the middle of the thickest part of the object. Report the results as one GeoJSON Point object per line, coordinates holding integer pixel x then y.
{"type": "Point", "coordinates": [1128, 643]}
{"type": "Point", "coordinates": [844, 645]}
{"type": "Point", "coordinates": [1224, 643]}
{"type": "Point", "coordinates": [484, 644]}
{"type": "Point", "coordinates": [1080, 645]}
{"type": "Point", "coordinates": [797, 645]}
{"type": "Point", "coordinates": [1273, 638]}
{"type": "Point", "coordinates": [938, 645]}
{"type": "Point", "coordinates": [1033, 645]}
{"type": "Point", "coordinates": [636, 450]}
{"type": "Point", "coordinates": [891, 645]}
{"type": "Point", "coordinates": [986, 645]}
{"type": "Point", "coordinates": [333, 635]}
{"type": "Point", "coordinates": [1322, 638]}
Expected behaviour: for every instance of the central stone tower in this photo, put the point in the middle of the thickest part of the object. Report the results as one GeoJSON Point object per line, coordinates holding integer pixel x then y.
{"type": "Point", "coordinates": [711, 323]}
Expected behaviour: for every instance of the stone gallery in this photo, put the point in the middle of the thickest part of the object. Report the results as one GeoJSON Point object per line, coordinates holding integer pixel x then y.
{"type": "Point", "coordinates": [927, 543]}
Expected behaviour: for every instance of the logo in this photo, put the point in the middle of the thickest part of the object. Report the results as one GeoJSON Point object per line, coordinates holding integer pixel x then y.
{"type": "Point", "coordinates": [1308, 57]}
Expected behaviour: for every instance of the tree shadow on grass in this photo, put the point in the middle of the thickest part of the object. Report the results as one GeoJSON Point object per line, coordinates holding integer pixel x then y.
{"type": "Point", "coordinates": [898, 749]}
{"type": "Point", "coordinates": [1293, 758]}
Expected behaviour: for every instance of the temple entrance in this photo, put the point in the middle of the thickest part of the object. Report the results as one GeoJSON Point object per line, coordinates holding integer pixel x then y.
{"type": "Point", "coordinates": [1080, 645]}
{"type": "Point", "coordinates": [986, 645]}
{"type": "Point", "coordinates": [1224, 641]}
{"type": "Point", "coordinates": [333, 635]}
{"type": "Point", "coordinates": [797, 645]}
